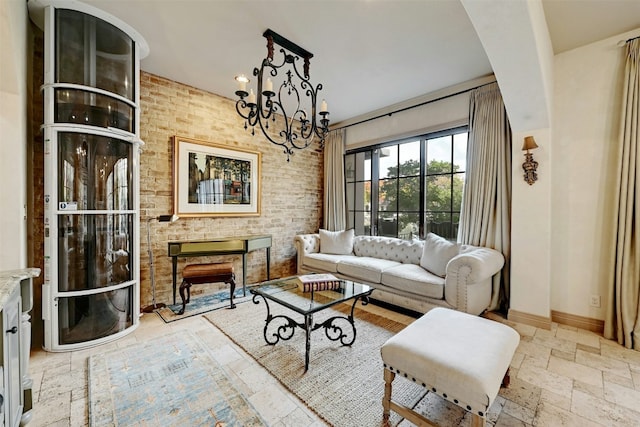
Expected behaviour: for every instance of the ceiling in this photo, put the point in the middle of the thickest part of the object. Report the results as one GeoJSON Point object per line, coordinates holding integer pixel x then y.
{"type": "Point", "coordinates": [368, 54]}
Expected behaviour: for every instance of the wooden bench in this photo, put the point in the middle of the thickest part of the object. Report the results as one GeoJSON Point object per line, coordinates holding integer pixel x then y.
{"type": "Point", "coordinates": [461, 358]}
{"type": "Point", "coordinates": [195, 274]}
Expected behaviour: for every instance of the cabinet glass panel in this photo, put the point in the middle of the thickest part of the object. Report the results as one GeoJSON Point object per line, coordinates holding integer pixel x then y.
{"type": "Point", "coordinates": [88, 108]}
{"type": "Point", "coordinates": [92, 52]}
{"type": "Point", "coordinates": [89, 317]}
{"type": "Point", "coordinates": [94, 251]}
{"type": "Point", "coordinates": [94, 172]}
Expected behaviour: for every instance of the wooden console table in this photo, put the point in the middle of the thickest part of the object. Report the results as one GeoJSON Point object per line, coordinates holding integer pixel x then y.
{"type": "Point", "coordinates": [241, 245]}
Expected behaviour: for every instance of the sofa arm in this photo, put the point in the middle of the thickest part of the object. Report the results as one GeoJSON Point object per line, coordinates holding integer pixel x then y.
{"type": "Point", "coordinates": [305, 244]}
{"type": "Point", "coordinates": [476, 264]}
{"type": "Point", "coordinates": [468, 283]}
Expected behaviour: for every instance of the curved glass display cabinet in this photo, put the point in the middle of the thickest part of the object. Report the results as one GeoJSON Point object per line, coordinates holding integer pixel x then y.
{"type": "Point", "coordinates": [91, 91]}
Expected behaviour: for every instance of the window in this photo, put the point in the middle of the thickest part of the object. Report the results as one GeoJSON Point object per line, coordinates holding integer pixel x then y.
{"type": "Point", "coordinates": [407, 188]}
{"type": "Point", "coordinates": [358, 178]}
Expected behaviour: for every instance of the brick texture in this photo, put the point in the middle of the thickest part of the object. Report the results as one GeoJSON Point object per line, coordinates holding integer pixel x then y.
{"type": "Point", "coordinates": [291, 196]}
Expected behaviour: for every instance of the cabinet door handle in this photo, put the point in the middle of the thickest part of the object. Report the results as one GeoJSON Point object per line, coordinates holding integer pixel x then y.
{"type": "Point", "coordinates": [12, 330]}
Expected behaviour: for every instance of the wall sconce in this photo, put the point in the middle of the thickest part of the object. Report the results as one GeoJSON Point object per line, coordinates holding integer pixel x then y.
{"type": "Point", "coordinates": [529, 164]}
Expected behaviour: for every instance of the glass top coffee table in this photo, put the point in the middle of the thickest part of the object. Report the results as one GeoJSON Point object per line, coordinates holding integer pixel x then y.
{"type": "Point", "coordinates": [286, 292]}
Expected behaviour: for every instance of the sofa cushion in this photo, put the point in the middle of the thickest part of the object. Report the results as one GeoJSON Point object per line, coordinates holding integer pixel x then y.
{"type": "Point", "coordinates": [365, 268]}
{"type": "Point", "coordinates": [323, 262]}
{"type": "Point", "coordinates": [336, 242]}
{"type": "Point", "coordinates": [437, 253]}
{"type": "Point", "coordinates": [405, 251]}
{"type": "Point", "coordinates": [415, 279]}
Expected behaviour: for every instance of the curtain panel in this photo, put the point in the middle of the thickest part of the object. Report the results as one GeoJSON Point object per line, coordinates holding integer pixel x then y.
{"type": "Point", "coordinates": [485, 218]}
{"type": "Point", "coordinates": [622, 321]}
{"type": "Point", "coordinates": [335, 216]}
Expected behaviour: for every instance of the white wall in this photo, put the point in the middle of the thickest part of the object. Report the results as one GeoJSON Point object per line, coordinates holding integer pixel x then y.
{"type": "Point", "coordinates": [587, 97]}
{"type": "Point", "coordinates": [13, 133]}
{"type": "Point", "coordinates": [531, 228]}
{"type": "Point", "coordinates": [444, 109]}
{"type": "Point", "coordinates": [444, 114]}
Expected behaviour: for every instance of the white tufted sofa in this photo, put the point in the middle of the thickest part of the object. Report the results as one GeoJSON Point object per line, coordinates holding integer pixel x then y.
{"type": "Point", "coordinates": [393, 267]}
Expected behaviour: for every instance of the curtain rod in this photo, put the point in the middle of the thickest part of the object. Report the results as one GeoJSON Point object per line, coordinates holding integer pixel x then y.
{"type": "Point", "coordinates": [623, 42]}
{"type": "Point", "coordinates": [412, 106]}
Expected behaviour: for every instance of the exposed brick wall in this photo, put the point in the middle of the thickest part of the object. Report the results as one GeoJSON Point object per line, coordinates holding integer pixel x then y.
{"type": "Point", "coordinates": [35, 203]}
{"type": "Point", "coordinates": [291, 196]}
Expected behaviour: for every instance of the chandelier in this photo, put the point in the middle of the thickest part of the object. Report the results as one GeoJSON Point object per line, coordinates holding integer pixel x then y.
{"type": "Point", "coordinates": [295, 128]}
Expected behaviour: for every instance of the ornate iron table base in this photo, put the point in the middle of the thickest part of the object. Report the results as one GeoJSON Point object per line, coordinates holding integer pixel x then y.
{"type": "Point", "coordinates": [283, 327]}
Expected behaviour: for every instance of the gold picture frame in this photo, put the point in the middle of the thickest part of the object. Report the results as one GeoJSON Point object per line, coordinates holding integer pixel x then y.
{"type": "Point", "coordinates": [214, 180]}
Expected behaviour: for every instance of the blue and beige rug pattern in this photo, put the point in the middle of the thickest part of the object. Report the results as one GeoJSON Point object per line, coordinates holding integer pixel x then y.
{"type": "Point", "coordinates": [169, 381]}
{"type": "Point", "coordinates": [212, 300]}
{"type": "Point", "coordinates": [202, 304]}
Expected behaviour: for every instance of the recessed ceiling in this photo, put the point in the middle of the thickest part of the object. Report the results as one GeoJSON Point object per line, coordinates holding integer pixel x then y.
{"type": "Point", "coordinates": [368, 54]}
{"type": "Point", "coordinates": [575, 23]}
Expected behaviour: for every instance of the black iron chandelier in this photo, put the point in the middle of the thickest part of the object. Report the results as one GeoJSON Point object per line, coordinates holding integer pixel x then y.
{"type": "Point", "coordinates": [298, 129]}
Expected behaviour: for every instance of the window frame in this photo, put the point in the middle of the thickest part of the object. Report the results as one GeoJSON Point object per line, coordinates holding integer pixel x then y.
{"type": "Point", "coordinates": [374, 211]}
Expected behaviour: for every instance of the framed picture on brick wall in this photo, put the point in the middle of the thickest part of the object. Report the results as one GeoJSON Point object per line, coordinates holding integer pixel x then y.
{"type": "Point", "coordinates": [214, 180]}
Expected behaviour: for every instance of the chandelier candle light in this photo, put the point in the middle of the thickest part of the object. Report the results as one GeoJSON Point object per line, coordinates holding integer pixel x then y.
{"type": "Point", "coordinates": [299, 130]}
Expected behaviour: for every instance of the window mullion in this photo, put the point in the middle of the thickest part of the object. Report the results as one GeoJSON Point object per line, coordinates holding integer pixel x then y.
{"type": "Point", "coordinates": [451, 186]}
{"type": "Point", "coordinates": [375, 182]}
{"type": "Point", "coordinates": [423, 187]}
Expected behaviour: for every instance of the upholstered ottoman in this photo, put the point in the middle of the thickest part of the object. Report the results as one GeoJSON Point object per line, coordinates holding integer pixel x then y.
{"type": "Point", "coordinates": [460, 357]}
{"type": "Point", "coordinates": [194, 274]}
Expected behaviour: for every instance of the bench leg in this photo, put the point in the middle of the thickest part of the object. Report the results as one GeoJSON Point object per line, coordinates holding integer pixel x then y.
{"type": "Point", "coordinates": [386, 400]}
{"type": "Point", "coordinates": [232, 290]}
{"type": "Point", "coordinates": [185, 285]}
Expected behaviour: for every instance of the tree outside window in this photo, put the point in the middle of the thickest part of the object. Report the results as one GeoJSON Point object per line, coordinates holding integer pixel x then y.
{"type": "Point", "coordinates": [419, 186]}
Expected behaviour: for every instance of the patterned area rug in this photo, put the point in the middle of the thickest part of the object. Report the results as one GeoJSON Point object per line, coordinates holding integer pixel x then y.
{"type": "Point", "coordinates": [344, 385]}
{"type": "Point", "coordinates": [168, 381]}
{"type": "Point", "coordinates": [202, 304]}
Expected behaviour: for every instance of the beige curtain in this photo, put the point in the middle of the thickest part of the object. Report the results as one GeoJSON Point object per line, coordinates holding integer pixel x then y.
{"type": "Point", "coordinates": [485, 219]}
{"type": "Point", "coordinates": [335, 216]}
{"type": "Point", "coordinates": [622, 321]}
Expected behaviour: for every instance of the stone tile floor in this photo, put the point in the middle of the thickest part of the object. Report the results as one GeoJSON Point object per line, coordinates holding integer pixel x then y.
{"type": "Point", "coordinates": [561, 377]}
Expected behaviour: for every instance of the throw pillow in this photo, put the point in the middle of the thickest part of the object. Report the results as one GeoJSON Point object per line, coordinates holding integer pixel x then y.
{"type": "Point", "coordinates": [336, 242]}
{"type": "Point", "coordinates": [437, 253]}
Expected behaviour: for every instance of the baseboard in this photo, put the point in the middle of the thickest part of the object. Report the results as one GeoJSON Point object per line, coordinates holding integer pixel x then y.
{"type": "Point", "coordinates": [587, 323]}
{"type": "Point", "coordinates": [529, 319]}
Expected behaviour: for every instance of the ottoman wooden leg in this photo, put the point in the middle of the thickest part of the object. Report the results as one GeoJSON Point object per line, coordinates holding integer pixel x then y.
{"type": "Point", "coordinates": [506, 380]}
{"type": "Point", "coordinates": [386, 400]}
{"type": "Point", "coordinates": [477, 421]}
